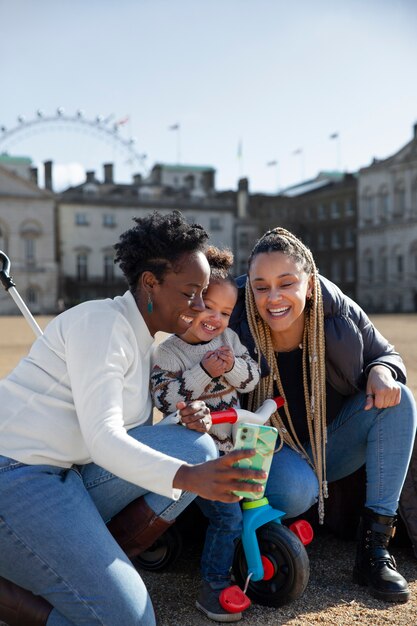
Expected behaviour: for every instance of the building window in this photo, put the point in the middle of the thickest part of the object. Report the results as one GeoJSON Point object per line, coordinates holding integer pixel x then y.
{"type": "Point", "coordinates": [321, 241]}
{"type": "Point", "coordinates": [82, 266]}
{"type": "Point", "coordinates": [368, 264]}
{"type": "Point", "coordinates": [368, 207]}
{"type": "Point", "coordinates": [30, 250]}
{"type": "Point", "coordinates": [399, 265]}
{"type": "Point", "coordinates": [383, 205]}
{"type": "Point", "coordinates": [321, 212]}
{"type": "Point", "coordinates": [349, 210]}
{"type": "Point", "coordinates": [399, 203]}
{"type": "Point", "coordinates": [215, 223]}
{"type": "Point", "coordinates": [335, 210]}
{"type": "Point", "coordinates": [81, 219]}
{"type": "Point", "coordinates": [3, 244]}
{"type": "Point", "coordinates": [335, 239]}
{"type": "Point", "coordinates": [109, 221]}
{"type": "Point", "coordinates": [350, 238]}
{"type": "Point", "coordinates": [32, 297]}
{"type": "Point", "coordinates": [350, 270]}
{"type": "Point", "coordinates": [108, 268]}
{"type": "Point", "coordinates": [414, 198]}
{"type": "Point", "coordinates": [336, 271]}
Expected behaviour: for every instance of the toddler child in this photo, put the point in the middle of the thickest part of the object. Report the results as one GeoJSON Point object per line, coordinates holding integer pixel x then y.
{"type": "Point", "coordinates": [209, 363]}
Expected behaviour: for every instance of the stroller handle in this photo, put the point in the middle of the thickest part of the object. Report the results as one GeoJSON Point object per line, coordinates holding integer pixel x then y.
{"type": "Point", "coordinates": [5, 278]}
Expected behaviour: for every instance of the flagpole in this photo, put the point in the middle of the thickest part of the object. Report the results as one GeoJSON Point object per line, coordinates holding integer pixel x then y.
{"type": "Point", "coordinates": [275, 164]}
{"type": "Point", "coordinates": [240, 159]}
{"type": "Point", "coordinates": [177, 128]}
{"type": "Point", "coordinates": [338, 151]}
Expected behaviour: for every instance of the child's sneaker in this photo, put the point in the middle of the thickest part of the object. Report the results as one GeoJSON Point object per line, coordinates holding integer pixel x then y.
{"type": "Point", "coordinates": [208, 603]}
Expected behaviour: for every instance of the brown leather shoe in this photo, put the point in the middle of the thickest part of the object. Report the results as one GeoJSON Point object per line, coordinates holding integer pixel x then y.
{"type": "Point", "coordinates": [137, 527]}
{"type": "Point", "coordinates": [20, 607]}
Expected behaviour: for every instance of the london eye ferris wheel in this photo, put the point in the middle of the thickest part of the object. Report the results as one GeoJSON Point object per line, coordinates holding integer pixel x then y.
{"type": "Point", "coordinates": [89, 141]}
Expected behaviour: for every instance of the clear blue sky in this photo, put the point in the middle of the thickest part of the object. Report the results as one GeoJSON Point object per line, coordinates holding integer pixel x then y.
{"type": "Point", "coordinates": [276, 76]}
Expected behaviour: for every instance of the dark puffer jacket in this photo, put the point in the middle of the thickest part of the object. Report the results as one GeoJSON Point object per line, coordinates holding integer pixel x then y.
{"type": "Point", "coordinates": [353, 346]}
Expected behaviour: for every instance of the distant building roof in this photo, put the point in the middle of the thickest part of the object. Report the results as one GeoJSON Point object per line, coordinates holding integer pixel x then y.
{"type": "Point", "coordinates": [321, 180]}
{"type": "Point", "coordinates": [184, 168]}
{"type": "Point", "coordinates": [14, 160]}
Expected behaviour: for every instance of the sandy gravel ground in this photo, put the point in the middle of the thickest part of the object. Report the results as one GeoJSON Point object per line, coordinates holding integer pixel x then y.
{"type": "Point", "coordinates": [331, 598]}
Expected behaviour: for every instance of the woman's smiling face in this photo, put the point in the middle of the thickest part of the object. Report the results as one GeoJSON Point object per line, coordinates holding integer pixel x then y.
{"type": "Point", "coordinates": [178, 298]}
{"type": "Point", "coordinates": [280, 287]}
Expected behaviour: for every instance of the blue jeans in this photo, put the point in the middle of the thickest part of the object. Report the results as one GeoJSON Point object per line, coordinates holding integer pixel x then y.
{"type": "Point", "coordinates": [225, 526]}
{"type": "Point", "coordinates": [54, 541]}
{"type": "Point", "coordinates": [381, 438]}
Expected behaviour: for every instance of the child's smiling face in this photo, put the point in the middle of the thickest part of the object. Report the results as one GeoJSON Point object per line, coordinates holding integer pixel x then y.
{"type": "Point", "coordinates": [219, 299]}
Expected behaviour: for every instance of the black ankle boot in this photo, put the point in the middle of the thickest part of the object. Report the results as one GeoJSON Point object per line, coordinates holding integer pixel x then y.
{"type": "Point", "coordinates": [19, 607]}
{"type": "Point", "coordinates": [374, 565]}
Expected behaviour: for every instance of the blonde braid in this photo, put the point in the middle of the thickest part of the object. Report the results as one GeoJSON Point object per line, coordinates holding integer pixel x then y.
{"type": "Point", "coordinates": [314, 365]}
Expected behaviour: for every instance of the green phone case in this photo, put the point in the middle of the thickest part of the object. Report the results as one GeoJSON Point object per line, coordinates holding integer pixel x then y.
{"type": "Point", "coordinates": [263, 440]}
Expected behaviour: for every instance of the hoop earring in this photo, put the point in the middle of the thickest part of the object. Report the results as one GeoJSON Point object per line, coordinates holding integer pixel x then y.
{"type": "Point", "coordinates": [150, 304]}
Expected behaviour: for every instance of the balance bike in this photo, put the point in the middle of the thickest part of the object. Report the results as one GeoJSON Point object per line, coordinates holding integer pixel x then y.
{"type": "Point", "coordinates": [270, 563]}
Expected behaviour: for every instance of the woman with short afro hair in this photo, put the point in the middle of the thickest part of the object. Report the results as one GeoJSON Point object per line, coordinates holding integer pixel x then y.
{"type": "Point", "coordinates": [86, 481]}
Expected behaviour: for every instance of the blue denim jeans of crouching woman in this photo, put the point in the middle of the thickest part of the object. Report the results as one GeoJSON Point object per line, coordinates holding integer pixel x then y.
{"type": "Point", "coordinates": [53, 538]}
{"type": "Point", "coordinates": [381, 438]}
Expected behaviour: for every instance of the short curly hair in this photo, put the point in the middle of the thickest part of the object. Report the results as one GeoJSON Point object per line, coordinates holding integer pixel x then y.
{"type": "Point", "coordinates": [156, 244]}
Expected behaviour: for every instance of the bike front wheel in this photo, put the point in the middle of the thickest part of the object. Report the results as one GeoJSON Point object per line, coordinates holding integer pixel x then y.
{"type": "Point", "coordinates": [287, 564]}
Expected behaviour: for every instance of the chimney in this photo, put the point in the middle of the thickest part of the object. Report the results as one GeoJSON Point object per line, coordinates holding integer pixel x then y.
{"type": "Point", "coordinates": [208, 180]}
{"type": "Point", "coordinates": [90, 176]}
{"type": "Point", "coordinates": [137, 179]}
{"type": "Point", "coordinates": [156, 174]}
{"type": "Point", "coordinates": [243, 198]}
{"type": "Point", "coordinates": [48, 175]}
{"type": "Point", "coordinates": [34, 175]}
{"type": "Point", "coordinates": [108, 173]}
{"type": "Point", "coordinates": [415, 130]}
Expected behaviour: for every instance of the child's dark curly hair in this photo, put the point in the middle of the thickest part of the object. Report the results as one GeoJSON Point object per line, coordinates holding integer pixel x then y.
{"type": "Point", "coordinates": [220, 262]}
{"type": "Point", "coordinates": [156, 244]}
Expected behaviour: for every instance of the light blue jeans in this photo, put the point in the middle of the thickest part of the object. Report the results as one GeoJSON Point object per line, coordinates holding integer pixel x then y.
{"type": "Point", "coordinates": [381, 438]}
{"type": "Point", "coordinates": [54, 541]}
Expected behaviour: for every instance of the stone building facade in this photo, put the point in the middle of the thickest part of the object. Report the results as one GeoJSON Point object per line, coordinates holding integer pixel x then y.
{"type": "Point", "coordinates": [322, 212]}
{"type": "Point", "coordinates": [27, 237]}
{"type": "Point", "coordinates": [92, 216]}
{"type": "Point", "coordinates": [387, 232]}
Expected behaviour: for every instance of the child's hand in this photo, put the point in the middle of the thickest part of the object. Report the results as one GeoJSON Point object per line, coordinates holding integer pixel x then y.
{"type": "Point", "coordinates": [227, 356]}
{"type": "Point", "coordinates": [213, 364]}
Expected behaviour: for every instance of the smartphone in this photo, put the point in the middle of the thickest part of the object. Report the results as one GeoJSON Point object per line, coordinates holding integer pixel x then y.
{"type": "Point", "coordinates": [263, 440]}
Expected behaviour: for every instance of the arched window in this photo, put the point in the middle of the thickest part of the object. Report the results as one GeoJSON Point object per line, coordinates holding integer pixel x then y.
{"type": "Point", "coordinates": [108, 266]}
{"type": "Point", "coordinates": [382, 264]}
{"type": "Point", "coordinates": [383, 204]}
{"type": "Point", "coordinates": [368, 206]}
{"type": "Point", "coordinates": [414, 198]}
{"type": "Point", "coordinates": [3, 239]}
{"type": "Point", "coordinates": [368, 265]}
{"type": "Point", "coordinates": [413, 258]}
{"type": "Point", "coordinates": [30, 231]}
{"type": "Point", "coordinates": [399, 198]}
{"type": "Point", "coordinates": [82, 266]}
{"type": "Point", "coordinates": [397, 263]}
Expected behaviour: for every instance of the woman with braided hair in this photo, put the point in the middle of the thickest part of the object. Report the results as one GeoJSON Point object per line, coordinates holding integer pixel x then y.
{"type": "Point", "coordinates": [346, 403]}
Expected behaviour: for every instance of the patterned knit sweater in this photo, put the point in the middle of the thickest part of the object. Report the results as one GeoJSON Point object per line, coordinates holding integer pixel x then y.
{"type": "Point", "coordinates": [178, 376]}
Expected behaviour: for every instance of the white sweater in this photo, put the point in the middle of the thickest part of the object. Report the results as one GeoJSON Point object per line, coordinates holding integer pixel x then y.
{"type": "Point", "coordinates": [84, 384]}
